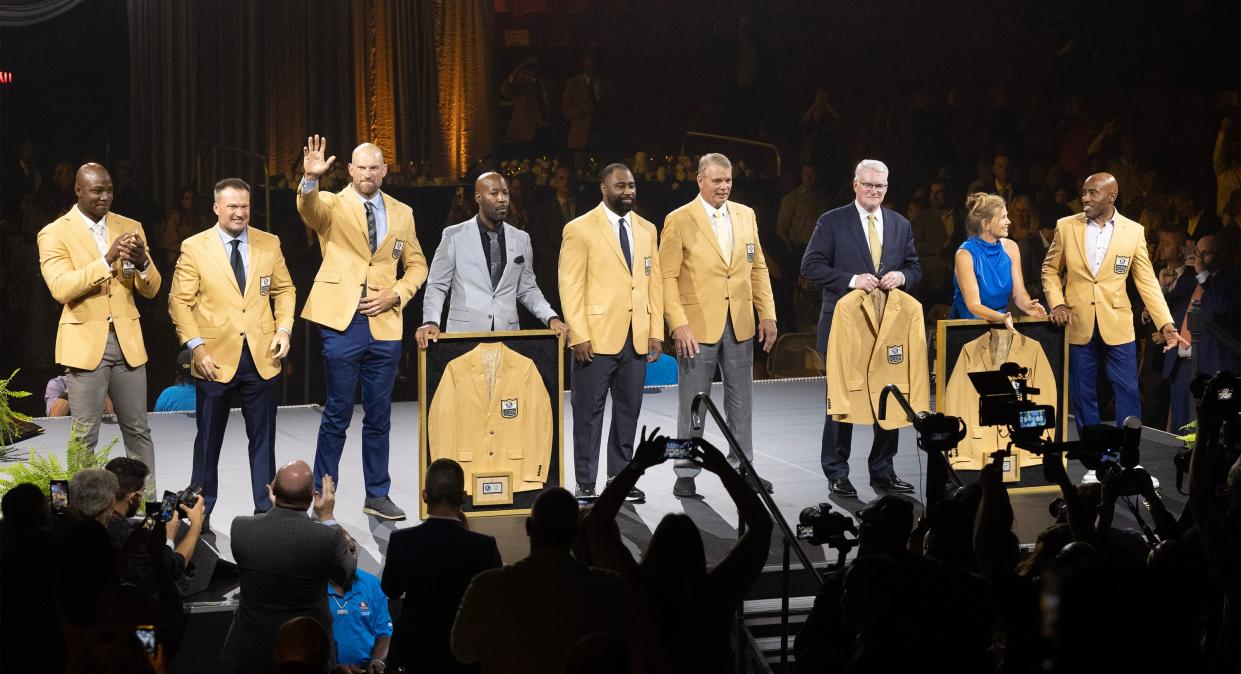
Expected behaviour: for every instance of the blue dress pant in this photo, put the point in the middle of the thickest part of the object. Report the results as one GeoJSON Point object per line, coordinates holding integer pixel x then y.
{"type": "Point", "coordinates": [1120, 362]}
{"type": "Point", "coordinates": [348, 356]}
{"type": "Point", "coordinates": [258, 408]}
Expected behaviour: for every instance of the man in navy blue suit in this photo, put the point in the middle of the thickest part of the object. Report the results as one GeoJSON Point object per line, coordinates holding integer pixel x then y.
{"type": "Point", "coordinates": [860, 246]}
{"type": "Point", "coordinates": [1177, 280]}
{"type": "Point", "coordinates": [431, 565]}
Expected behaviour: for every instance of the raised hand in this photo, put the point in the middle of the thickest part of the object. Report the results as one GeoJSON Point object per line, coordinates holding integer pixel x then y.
{"type": "Point", "coordinates": [313, 163]}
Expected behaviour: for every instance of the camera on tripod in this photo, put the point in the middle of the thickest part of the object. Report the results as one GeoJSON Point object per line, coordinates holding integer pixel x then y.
{"type": "Point", "coordinates": [820, 525]}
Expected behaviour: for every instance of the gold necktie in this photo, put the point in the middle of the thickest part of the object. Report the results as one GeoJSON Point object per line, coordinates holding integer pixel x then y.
{"type": "Point", "coordinates": [876, 248]}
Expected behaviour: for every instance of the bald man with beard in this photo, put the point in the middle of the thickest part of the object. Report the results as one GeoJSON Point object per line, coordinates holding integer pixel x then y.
{"type": "Point", "coordinates": [285, 561]}
{"type": "Point", "coordinates": [488, 265]}
{"type": "Point", "coordinates": [367, 239]}
{"type": "Point", "coordinates": [93, 262]}
{"type": "Point", "coordinates": [1096, 251]}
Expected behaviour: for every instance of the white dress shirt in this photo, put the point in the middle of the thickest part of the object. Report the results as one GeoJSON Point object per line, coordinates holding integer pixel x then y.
{"type": "Point", "coordinates": [614, 219]}
{"type": "Point", "coordinates": [1097, 239]}
{"type": "Point", "coordinates": [878, 215]}
{"type": "Point", "coordinates": [722, 225]}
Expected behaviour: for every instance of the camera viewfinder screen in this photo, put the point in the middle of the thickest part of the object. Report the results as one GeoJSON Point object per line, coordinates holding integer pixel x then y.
{"type": "Point", "coordinates": [1032, 418]}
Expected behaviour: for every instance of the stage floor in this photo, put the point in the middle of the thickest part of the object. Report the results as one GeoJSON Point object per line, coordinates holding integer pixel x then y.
{"type": "Point", "coordinates": [787, 431]}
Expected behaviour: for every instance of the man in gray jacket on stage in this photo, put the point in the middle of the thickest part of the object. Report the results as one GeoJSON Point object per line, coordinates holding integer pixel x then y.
{"type": "Point", "coordinates": [489, 266]}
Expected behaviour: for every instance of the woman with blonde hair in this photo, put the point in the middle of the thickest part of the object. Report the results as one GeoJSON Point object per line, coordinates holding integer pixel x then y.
{"type": "Point", "coordinates": [988, 266]}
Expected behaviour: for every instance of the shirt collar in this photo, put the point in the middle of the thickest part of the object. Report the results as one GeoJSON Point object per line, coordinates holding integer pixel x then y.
{"type": "Point", "coordinates": [1110, 222]}
{"type": "Point", "coordinates": [862, 212]}
{"type": "Point", "coordinates": [712, 210]}
{"type": "Point", "coordinates": [613, 218]}
{"type": "Point", "coordinates": [376, 200]}
{"type": "Point", "coordinates": [227, 238]}
{"type": "Point", "coordinates": [482, 227]}
{"type": "Point", "coordinates": [86, 218]}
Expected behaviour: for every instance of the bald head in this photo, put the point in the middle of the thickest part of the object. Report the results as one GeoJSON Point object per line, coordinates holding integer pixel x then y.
{"type": "Point", "coordinates": [294, 486]}
{"type": "Point", "coordinates": [1099, 197]}
{"type": "Point", "coordinates": [491, 194]}
{"type": "Point", "coordinates": [367, 169]}
{"type": "Point", "coordinates": [93, 187]}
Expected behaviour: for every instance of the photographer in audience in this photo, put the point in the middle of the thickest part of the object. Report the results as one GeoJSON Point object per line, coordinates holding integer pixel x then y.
{"type": "Point", "coordinates": [683, 613]}
{"type": "Point", "coordinates": [131, 475]}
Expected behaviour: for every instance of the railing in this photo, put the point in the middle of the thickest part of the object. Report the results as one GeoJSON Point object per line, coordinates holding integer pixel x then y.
{"type": "Point", "coordinates": [775, 151]}
{"type": "Point", "coordinates": [209, 154]}
{"type": "Point", "coordinates": [703, 399]}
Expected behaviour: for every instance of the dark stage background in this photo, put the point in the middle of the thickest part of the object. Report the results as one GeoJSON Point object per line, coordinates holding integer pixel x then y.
{"type": "Point", "coordinates": [173, 96]}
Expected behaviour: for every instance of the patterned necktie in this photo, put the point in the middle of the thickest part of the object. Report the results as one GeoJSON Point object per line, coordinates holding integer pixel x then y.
{"type": "Point", "coordinates": [624, 244]}
{"type": "Point", "coordinates": [370, 226]}
{"type": "Point", "coordinates": [493, 241]}
{"type": "Point", "coordinates": [239, 269]}
{"type": "Point", "coordinates": [876, 248]}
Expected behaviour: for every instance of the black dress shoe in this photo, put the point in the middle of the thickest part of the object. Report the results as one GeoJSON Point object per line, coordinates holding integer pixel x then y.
{"type": "Point", "coordinates": [892, 484]}
{"type": "Point", "coordinates": [841, 487]}
{"type": "Point", "coordinates": [635, 495]}
{"type": "Point", "coordinates": [684, 487]}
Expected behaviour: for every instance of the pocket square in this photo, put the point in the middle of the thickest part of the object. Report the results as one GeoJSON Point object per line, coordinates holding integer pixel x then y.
{"type": "Point", "coordinates": [520, 259]}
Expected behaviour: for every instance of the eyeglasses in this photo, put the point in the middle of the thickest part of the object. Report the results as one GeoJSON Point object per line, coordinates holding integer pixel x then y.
{"type": "Point", "coordinates": [877, 187]}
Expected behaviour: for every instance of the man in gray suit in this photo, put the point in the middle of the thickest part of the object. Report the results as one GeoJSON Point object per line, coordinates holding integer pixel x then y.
{"type": "Point", "coordinates": [285, 560]}
{"type": "Point", "coordinates": [489, 266]}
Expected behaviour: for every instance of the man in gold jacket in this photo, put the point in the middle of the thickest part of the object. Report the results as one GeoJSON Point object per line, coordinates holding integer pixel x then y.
{"type": "Point", "coordinates": [225, 283]}
{"type": "Point", "coordinates": [1096, 251]}
{"type": "Point", "coordinates": [367, 239]}
{"type": "Point", "coordinates": [93, 262]}
{"type": "Point", "coordinates": [715, 279]}
{"type": "Point", "coordinates": [612, 299]}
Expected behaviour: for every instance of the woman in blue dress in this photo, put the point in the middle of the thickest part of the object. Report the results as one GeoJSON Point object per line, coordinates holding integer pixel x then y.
{"type": "Point", "coordinates": [988, 266]}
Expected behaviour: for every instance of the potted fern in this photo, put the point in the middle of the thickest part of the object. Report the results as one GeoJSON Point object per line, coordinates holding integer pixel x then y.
{"type": "Point", "coordinates": [10, 419]}
{"type": "Point", "coordinates": [40, 470]}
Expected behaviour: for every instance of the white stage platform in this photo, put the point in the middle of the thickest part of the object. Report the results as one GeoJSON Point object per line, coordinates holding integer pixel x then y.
{"type": "Point", "coordinates": [787, 432]}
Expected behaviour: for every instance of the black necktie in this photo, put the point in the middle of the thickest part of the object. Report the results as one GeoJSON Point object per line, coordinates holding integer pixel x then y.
{"type": "Point", "coordinates": [624, 243]}
{"type": "Point", "coordinates": [493, 241]}
{"type": "Point", "coordinates": [370, 226]}
{"type": "Point", "coordinates": [239, 269]}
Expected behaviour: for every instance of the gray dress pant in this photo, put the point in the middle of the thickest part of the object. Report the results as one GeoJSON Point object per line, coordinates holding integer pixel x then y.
{"type": "Point", "coordinates": [128, 388]}
{"type": "Point", "coordinates": [735, 360]}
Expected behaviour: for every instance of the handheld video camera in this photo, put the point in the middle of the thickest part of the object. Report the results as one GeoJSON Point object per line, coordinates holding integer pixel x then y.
{"type": "Point", "coordinates": [1003, 400]}
{"type": "Point", "coordinates": [819, 525]}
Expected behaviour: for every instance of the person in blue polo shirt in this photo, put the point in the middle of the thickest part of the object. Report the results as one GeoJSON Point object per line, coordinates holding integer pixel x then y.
{"type": "Point", "coordinates": [361, 624]}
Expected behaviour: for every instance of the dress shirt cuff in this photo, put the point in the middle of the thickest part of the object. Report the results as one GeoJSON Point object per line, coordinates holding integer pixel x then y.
{"type": "Point", "coordinates": [142, 273]}
{"type": "Point", "coordinates": [106, 267]}
{"type": "Point", "coordinates": [171, 546]}
{"type": "Point", "coordinates": [902, 278]}
{"type": "Point", "coordinates": [853, 281]}
{"type": "Point", "coordinates": [1202, 277]}
{"type": "Point", "coordinates": [308, 185]}
{"type": "Point", "coordinates": [194, 343]}
{"type": "Point", "coordinates": [285, 331]}
{"type": "Point", "coordinates": [328, 523]}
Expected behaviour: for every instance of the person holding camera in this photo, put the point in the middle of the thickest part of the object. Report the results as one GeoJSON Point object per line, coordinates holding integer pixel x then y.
{"type": "Point", "coordinates": [683, 612]}
{"type": "Point", "coordinates": [130, 476]}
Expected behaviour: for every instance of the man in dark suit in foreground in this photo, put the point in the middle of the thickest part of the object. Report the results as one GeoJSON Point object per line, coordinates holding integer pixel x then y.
{"type": "Point", "coordinates": [285, 560]}
{"type": "Point", "coordinates": [860, 246]}
{"type": "Point", "coordinates": [431, 565]}
{"type": "Point", "coordinates": [525, 618]}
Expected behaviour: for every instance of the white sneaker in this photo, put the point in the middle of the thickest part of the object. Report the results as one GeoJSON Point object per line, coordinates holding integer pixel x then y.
{"type": "Point", "coordinates": [1089, 478]}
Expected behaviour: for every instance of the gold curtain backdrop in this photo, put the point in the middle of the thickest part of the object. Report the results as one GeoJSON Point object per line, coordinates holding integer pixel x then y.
{"type": "Point", "coordinates": [416, 78]}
